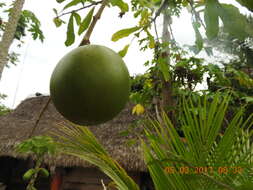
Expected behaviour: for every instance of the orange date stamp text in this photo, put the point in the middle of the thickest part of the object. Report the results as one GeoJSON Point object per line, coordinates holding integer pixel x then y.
{"type": "Point", "coordinates": [204, 170]}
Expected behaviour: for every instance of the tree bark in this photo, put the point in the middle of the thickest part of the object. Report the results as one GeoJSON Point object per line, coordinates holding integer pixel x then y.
{"type": "Point", "coordinates": [167, 88]}
{"type": "Point", "coordinates": [9, 33]}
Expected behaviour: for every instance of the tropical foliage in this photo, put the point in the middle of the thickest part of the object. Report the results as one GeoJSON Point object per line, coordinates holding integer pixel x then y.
{"type": "Point", "coordinates": [28, 23]}
{"type": "Point", "coordinates": [38, 146]}
{"type": "Point", "coordinates": [79, 141]}
{"type": "Point", "coordinates": [214, 154]}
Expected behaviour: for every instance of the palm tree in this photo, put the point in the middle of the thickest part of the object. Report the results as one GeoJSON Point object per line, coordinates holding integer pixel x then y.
{"type": "Point", "coordinates": [209, 156]}
{"type": "Point", "coordinates": [9, 32]}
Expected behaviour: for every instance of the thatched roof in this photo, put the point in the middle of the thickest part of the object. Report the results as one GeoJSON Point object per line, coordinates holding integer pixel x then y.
{"type": "Point", "coordinates": [17, 125]}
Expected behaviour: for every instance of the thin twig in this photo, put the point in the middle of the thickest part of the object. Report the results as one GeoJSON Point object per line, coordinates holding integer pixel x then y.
{"type": "Point", "coordinates": [171, 33]}
{"type": "Point", "coordinates": [84, 7]}
{"type": "Point", "coordinates": [156, 31]}
{"type": "Point", "coordinates": [196, 14]}
{"type": "Point", "coordinates": [164, 4]}
{"type": "Point", "coordinates": [86, 39]}
{"type": "Point", "coordinates": [39, 117]}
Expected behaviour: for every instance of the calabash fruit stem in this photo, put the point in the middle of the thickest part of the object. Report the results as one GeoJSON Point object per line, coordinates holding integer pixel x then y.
{"type": "Point", "coordinates": [86, 39]}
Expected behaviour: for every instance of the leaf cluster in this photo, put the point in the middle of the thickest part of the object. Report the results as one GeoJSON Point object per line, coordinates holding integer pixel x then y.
{"type": "Point", "coordinates": [74, 17]}
{"type": "Point", "coordinates": [27, 23]}
{"type": "Point", "coordinates": [205, 145]}
{"type": "Point", "coordinates": [142, 91]}
{"type": "Point", "coordinates": [31, 172]}
{"type": "Point", "coordinates": [184, 72]}
{"type": "Point", "coordinates": [38, 145]}
{"type": "Point", "coordinates": [234, 23]}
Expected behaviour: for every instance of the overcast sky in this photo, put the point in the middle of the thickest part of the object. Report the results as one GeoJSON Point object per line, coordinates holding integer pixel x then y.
{"type": "Point", "coordinates": [37, 60]}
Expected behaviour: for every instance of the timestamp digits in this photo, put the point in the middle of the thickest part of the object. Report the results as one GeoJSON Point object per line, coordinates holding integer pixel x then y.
{"type": "Point", "coordinates": [203, 170]}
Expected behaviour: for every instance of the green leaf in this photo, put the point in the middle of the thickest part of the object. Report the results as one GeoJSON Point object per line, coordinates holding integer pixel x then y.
{"type": "Point", "coordinates": [34, 27]}
{"type": "Point", "coordinates": [235, 23]}
{"type": "Point", "coordinates": [86, 22]}
{"type": "Point", "coordinates": [72, 3]}
{"type": "Point", "coordinates": [77, 18]}
{"type": "Point", "coordinates": [28, 174]}
{"type": "Point", "coordinates": [124, 33]}
{"type": "Point", "coordinates": [151, 39]}
{"type": "Point", "coordinates": [123, 52]}
{"type": "Point", "coordinates": [211, 17]}
{"type": "Point", "coordinates": [246, 3]}
{"type": "Point", "coordinates": [2, 4]}
{"type": "Point", "coordinates": [199, 39]}
{"type": "Point", "coordinates": [121, 4]}
{"type": "Point", "coordinates": [57, 21]}
{"type": "Point", "coordinates": [246, 186]}
{"type": "Point", "coordinates": [43, 172]}
{"type": "Point", "coordinates": [60, 1]}
{"type": "Point", "coordinates": [70, 32]}
{"type": "Point", "coordinates": [248, 99]}
{"type": "Point", "coordinates": [55, 11]}
{"type": "Point", "coordinates": [185, 3]}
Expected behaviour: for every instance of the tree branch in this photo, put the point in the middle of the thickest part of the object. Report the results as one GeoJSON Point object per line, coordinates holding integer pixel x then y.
{"type": "Point", "coordinates": [194, 12]}
{"type": "Point", "coordinates": [86, 39]}
{"type": "Point", "coordinates": [164, 5]}
{"type": "Point", "coordinates": [39, 117]}
{"type": "Point", "coordinates": [156, 31]}
{"type": "Point", "coordinates": [84, 7]}
{"type": "Point", "coordinates": [172, 35]}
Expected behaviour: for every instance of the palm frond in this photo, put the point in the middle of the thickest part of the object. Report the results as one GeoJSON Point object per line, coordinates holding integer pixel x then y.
{"type": "Point", "coordinates": [224, 159]}
{"type": "Point", "coordinates": [80, 142]}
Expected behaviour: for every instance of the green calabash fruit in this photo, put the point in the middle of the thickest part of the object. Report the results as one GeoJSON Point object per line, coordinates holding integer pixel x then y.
{"type": "Point", "coordinates": [90, 85]}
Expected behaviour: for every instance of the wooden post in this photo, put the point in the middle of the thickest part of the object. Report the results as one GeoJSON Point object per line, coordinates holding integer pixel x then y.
{"type": "Point", "coordinates": [57, 180]}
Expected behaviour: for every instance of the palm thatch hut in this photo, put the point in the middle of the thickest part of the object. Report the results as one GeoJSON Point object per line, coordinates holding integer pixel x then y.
{"type": "Point", "coordinates": [74, 173]}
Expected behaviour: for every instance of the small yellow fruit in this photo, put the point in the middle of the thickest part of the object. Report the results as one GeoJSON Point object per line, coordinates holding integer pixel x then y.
{"type": "Point", "coordinates": [90, 85]}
